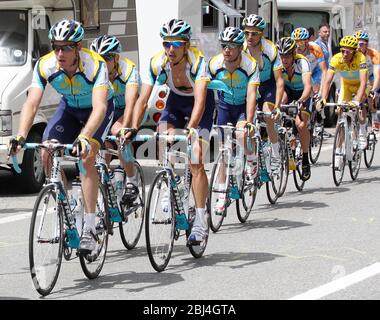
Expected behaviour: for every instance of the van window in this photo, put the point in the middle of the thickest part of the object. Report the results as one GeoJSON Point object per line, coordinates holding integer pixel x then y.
{"type": "Point", "coordinates": [267, 14]}
{"type": "Point", "coordinates": [42, 43]}
{"type": "Point", "coordinates": [295, 19]}
{"type": "Point", "coordinates": [13, 37]}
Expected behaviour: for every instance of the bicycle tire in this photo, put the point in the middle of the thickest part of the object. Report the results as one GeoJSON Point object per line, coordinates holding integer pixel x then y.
{"type": "Point", "coordinates": [297, 174]}
{"type": "Point", "coordinates": [369, 152]}
{"type": "Point", "coordinates": [42, 284]}
{"type": "Point", "coordinates": [285, 161]}
{"type": "Point", "coordinates": [354, 164]}
{"type": "Point", "coordinates": [92, 264]}
{"type": "Point", "coordinates": [316, 141]}
{"type": "Point", "coordinates": [338, 177]}
{"type": "Point", "coordinates": [130, 231]}
{"type": "Point", "coordinates": [216, 220]}
{"type": "Point", "coordinates": [164, 251]}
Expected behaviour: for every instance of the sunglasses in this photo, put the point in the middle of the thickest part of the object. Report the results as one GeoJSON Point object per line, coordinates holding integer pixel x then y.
{"type": "Point", "coordinates": [346, 51]}
{"type": "Point", "coordinates": [65, 48]}
{"type": "Point", "coordinates": [108, 57]}
{"type": "Point", "coordinates": [229, 45]}
{"type": "Point", "coordinates": [175, 44]}
{"type": "Point", "coordinates": [253, 33]}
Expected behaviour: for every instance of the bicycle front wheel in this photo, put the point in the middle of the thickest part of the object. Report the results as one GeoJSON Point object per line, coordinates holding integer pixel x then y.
{"type": "Point", "coordinates": [46, 240]}
{"type": "Point", "coordinates": [218, 192]}
{"type": "Point", "coordinates": [369, 152]}
{"type": "Point", "coordinates": [316, 141]}
{"type": "Point", "coordinates": [130, 230]}
{"type": "Point", "coordinates": [297, 174]}
{"type": "Point", "coordinates": [92, 263]}
{"type": "Point", "coordinates": [339, 155]}
{"type": "Point", "coordinates": [275, 186]}
{"type": "Point", "coordinates": [160, 222]}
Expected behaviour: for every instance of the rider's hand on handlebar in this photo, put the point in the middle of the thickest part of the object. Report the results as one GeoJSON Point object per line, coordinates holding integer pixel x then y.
{"type": "Point", "coordinates": [320, 104]}
{"type": "Point", "coordinates": [15, 145]}
{"type": "Point", "coordinates": [82, 146]}
{"type": "Point", "coordinates": [372, 94]}
{"type": "Point", "coordinates": [127, 134]}
{"type": "Point", "coordinates": [354, 104]}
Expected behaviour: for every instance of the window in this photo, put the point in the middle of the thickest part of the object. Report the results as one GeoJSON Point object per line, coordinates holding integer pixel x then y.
{"type": "Point", "coordinates": [209, 16]}
{"type": "Point", "coordinates": [89, 14]}
{"type": "Point", "coordinates": [42, 43]}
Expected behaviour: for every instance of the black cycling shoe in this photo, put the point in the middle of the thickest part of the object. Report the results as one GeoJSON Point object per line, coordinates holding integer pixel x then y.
{"type": "Point", "coordinates": [130, 195]}
{"type": "Point", "coordinates": [306, 172]}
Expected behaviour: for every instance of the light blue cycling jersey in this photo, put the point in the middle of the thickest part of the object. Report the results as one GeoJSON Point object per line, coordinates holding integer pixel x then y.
{"type": "Point", "coordinates": [127, 75]}
{"type": "Point", "coordinates": [76, 91]}
{"type": "Point", "coordinates": [246, 74]}
{"type": "Point", "coordinates": [301, 66]}
{"type": "Point", "coordinates": [271, 60]}
{"type": "Point", "coordinates": [159, 71]}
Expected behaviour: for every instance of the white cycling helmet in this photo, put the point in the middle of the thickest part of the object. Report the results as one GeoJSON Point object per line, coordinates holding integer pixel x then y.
{"type": "Point", "coordinates": [66, 30]}
{"type": "Point", "coordinates": [233, 35]}
{"type": "Point", "coordinates": [105, 45]}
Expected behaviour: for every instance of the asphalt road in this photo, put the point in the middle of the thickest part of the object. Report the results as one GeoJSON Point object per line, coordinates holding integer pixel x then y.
{"type": "Point", "coordinates": [322, 243]}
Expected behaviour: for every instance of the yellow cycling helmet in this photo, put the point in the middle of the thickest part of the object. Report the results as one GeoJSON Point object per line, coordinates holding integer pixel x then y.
{"type": "Point", "coordinates": [349, 42]}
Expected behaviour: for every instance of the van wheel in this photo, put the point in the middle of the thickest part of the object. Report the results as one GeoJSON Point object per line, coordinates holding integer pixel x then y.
{"type": "Point", "coordinates": [32, 176]}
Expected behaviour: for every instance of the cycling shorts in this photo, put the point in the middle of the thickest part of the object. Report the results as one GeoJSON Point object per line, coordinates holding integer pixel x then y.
{"type": "Point", "coordinates": [67, 123]}
{"type": "Point", "coordinates": [228, 113]}
{"type": "Point", "coordinates": [179, 107]}
{"type": "Point", "coordinates": [267, 91]}
{"type": "Point", "coordinates": [296, 95]}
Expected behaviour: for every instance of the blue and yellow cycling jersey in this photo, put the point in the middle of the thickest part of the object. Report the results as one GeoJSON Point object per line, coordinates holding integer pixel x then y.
{"type": "Point", "coordinates": [350, 72]}
{"type": "Point", "coordinates": [159, 71]}
{"type": "Point", "coordinates": [127, 75]}
{"type": "Point", "coordinates": [301, 66]}
{"type": "Point", "coordinates": [76, 91]}
{"type": "Point", "coordinates": [246, 74]}
{"type": "Point", "coordinates": [271, 60]}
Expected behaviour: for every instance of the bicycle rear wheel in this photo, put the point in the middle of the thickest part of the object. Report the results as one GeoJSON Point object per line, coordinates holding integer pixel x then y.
{"type": "Point", "coordinates": [159, 225]}
{"type": "Point", "coordinates": [130, 230]}
{"type": "Point", "coordinates": [354, 164]}
{"type": "Point", "coordinates": [274, 187]}
{"type": "Point", "coordinates": [218, 186]}
{"type": "Point", "coordinates": [284, 162]}
{"type": "Point", "coordinates": [46, 240]}
{"type": "Point", "coordinates": [369, 152]}
{"type": "Point", "coordinates": [338, 168]}
{"type": "Point", "coordinates": [316, 141]}
{"type": "Point", "coordinates": [93, 262]}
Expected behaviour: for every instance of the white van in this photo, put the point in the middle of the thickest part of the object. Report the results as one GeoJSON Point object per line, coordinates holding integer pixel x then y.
{"type": "Point", "coordinates": [24, 27]}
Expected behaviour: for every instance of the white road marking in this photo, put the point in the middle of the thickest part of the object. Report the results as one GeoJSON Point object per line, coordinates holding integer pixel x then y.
{"type": "Point", "coordinates": [17, 217]}
{"type": "Point", "coordinates": [339, 284]}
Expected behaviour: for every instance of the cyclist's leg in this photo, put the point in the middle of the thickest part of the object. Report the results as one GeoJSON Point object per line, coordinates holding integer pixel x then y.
{"type": "Point", "coordinates": [64, 127]}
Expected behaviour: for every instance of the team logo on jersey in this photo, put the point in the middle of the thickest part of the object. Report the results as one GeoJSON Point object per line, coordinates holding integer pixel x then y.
{"type": "Point", "coordinates": [59, 128]}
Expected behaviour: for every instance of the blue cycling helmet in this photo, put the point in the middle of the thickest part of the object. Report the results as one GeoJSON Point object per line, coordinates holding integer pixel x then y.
{"type": "Point", "coordinates": [300, 34]}
{"type": "Point", "coordinates": [176, 28]}
{"type": "Point", "coordinates": [233, 35]}
{"type": "Point", "coordinates": [361, 35]}
{"type": "Point", "coordinates": [66, 30]}
{"type": "Point", "coordinates": [106, 45]}
{"type": "Point", "coordinates": [255, 21]}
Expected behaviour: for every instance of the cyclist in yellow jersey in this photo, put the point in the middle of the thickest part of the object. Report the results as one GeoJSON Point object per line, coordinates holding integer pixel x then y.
{"type": "Point", "coordinates": [125, 79]}
{"type": "Point", "coordinates": [84, 114]}
{"type": "Point", "coordinates": [373, 64]}
{"type": "Point", "coordinates": [352, 66]}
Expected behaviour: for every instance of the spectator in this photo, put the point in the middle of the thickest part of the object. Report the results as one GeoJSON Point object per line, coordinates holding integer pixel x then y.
{"type": "Point", "coordinates": [323, 40]}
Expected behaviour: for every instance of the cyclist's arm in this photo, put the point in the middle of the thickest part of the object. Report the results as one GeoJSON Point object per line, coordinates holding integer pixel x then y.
{"type": "Point", "coordinates": [141, 104]}
{"type": "Point", "coordinates": [323, 67]}
{"type": "Point", "coordinates": [29, 110]}
{"type": "Point", "coordinates": [251, 101]}
{"type": "Point", "coordinates": [376, 81]}
{"type": "Point", "coordinates": [360, 94]}
{"type": "Point", "coordinates": [98, 113]}
{"type": "Point", "coordinates": [280, 87]}
{"type": "Point", "coordinates": [131, 95]}
{"type": "Point", "coordinates": [200, 94]}
{"type": "Point", "coordinates": [307, 86]}
{"type": "Point", "coordinates": [327, 84]}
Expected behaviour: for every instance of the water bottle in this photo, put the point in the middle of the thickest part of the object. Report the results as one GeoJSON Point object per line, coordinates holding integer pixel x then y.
{"type": "Point", "coordinates": [76, 201]}
{"type": "Point", "coordinates": [119, 183]}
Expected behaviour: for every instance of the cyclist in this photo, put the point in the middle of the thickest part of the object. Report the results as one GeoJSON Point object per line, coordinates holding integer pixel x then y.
{"type": "Point", "coordinates": [184, 70]}
{"type": "Point", "coordinates": [314, 54]}
{"type": "Point", "coordinates": [271, 87]}
{"type": "Point", "coordinates": [125, 79]}
{"type": "Point", "coordinates": [352, 66]}
{"type": "Point", "coordinates": [85, 111]}
{"type": "Point", "coordinates": [239, 71]}
{"type": "Point", "coordinates": [298, 87]}
{"type": "Point", "coordinates": [373, 64]}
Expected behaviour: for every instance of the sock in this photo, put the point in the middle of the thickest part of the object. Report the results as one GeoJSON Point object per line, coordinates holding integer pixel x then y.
{"type": "Point", "coordinates": [275, 149]}
{"type": "Point", "coordinates": [89, 220]}
{"type": "Point", "coordinates": [363, 129]}
{"type": "Point", "coordinates": [132, 180]}
{"type": "Point", "coordinates": [374, 117]}
{"type": "Point", "coordinates": [305, 158]}
{"type": "Point", "coordinates": [200, 215]}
